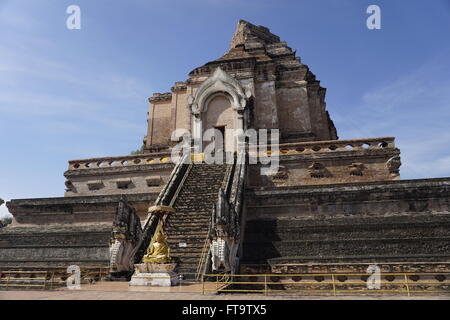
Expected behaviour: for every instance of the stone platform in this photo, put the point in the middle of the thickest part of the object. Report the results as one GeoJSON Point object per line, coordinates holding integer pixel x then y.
{"type": "Point", "coordinates": [159, 275]}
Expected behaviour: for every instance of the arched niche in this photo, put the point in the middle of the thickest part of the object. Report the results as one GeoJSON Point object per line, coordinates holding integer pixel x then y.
{"type": "Point", "coordinates": [220, 115]}
{"type": "Point", "coordinates": [218, 90]}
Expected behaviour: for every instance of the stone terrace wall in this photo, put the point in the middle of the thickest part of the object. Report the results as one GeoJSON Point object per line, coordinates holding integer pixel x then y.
{"type": "Point", "coordinates": [391, 221]}
{"type": "Point", "coordinates": [118, 175]}
{"type": "Point", "coordinates": [55, 246]}
{"type": "Point", "coordinates": [68, 210]}
{"type": "Point", "coordinates": [57, 232]}
{"type": "Point", "coordinates": [330, 162]}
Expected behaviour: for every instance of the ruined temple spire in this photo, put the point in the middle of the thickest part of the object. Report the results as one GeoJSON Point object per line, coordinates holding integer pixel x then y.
{"type": "Point", "coordinates": [248, 34]}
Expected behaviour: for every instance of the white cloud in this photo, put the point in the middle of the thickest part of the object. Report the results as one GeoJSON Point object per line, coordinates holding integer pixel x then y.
{"type": "Point", "coordinates": [69, 91]}
{"type": "Point", "coordinates": [416, 110]}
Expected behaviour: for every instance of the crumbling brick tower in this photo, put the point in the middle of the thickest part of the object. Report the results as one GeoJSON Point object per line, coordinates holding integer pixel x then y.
{"type": "Point", "coordinates": [332, 205]}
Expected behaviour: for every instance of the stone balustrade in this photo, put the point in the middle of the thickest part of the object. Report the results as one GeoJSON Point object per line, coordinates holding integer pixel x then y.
{"type": "Point", "coordinates": [284, 149]}
{"type": "Point", "coordinates": [121, 161]}
{"type": "Point", "coordinates": [331, 146]}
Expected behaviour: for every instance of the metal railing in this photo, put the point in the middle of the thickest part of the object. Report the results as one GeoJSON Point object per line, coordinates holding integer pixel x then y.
{"type": "Point", "coordinates": [203, 257]}
{"type": "Point", "coordinates": [328, 284]}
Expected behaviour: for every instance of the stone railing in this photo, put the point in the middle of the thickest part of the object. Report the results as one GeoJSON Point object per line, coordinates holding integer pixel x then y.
{"type": "Point", "coordinates": [166, 198]}
{"type": "Point", "coordinates": [121, 161]}
{"type": "Point", "coordinates": [285, 148]}
{"type": "Point", "coordinates": [330, 146]}
{"type": "Point", "coordinates": [225, 227]}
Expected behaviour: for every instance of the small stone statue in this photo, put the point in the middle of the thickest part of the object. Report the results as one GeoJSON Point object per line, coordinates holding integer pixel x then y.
{"type": "Point", "coordinates": [158, 252]}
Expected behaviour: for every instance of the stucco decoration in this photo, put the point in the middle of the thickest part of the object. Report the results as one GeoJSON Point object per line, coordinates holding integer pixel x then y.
{"type": "Point", "coordinates": [393, 165]}
{"type": "Point", "coordinates": [220, 81]}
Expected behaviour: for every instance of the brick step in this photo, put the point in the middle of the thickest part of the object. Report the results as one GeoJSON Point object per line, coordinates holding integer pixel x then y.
{"type": "Point", "coordinates": [185, 210]}
{"type": "Point", "coordinates": [197, 241]}
{"type": "Point", "coordinates": [191, 203]}
{"type": "Point", "coordinates": [188, 273]}
{"type": "Point", "coordinates": [190, 218]}
{"type": "Point", "coordinates": [176, 234]}
{"type": "Point", "coordinates": [190, 223]}
{"type": "Point", "coordinates": [193, 232]}
{"type": "Point", "coordinates": [187, 269]}
{"type": "Point", "coordinates": [207, 173]}
{"type": "Point", "coordinates": [190, 212]}
{"type": "Point", "coordinates": [194, 249]}
{"type": "Point", "coordinates": [188, 266]}
{"type": "Point", "coordinates": [188, 227]}
{"type": "Point", "coordinates": [207, 190]}
{"type": "Point", "coordinates": [187, 219]}
{"type": "Point", "coordinates": [188, 259]}
{"type": "Point", "coordinates": [189, 233]}
{"type": "Point", "coordinates": [191, 200]}
{"type": "Point", "coordinates": [186, 239]}
{"type": "Point", "coordinates": [195, 192]}
{"type": "Point", "coordinates": [205, 186]}
{"type": "Point", "coordinates": [192, 252]}
{"type": "Point", "coordinates": [194, 256]}
{"type": "Point", "coordinates": [190, 242]}
{"type": "Point", "coordinates": [194, 209]}
{"type": "Point", "coordinates": [189, 246]}
{"type": "Point", "coordinates": [193, 259]}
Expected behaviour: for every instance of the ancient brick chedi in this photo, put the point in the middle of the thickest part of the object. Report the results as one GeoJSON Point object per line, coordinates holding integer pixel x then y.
{"type": "Point", "coordinates": [333, 204]}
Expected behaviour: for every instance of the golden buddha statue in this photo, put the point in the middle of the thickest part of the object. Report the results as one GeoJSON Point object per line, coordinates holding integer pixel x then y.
{"type": "Point", "coordinates": [158, 251]}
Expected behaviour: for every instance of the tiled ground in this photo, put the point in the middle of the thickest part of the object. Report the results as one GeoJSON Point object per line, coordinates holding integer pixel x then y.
{"type": "Point", "coordinates": [121, 291]}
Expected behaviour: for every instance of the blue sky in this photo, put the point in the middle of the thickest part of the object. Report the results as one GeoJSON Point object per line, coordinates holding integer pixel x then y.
{"type": "Point", "coordinates": [69, 94]}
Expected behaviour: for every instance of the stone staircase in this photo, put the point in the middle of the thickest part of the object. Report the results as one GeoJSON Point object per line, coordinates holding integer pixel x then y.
{"type": "Point", "coordinates": [189, 226]}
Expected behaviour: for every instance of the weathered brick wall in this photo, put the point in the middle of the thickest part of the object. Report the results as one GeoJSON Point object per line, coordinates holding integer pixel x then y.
{"type": "Point", "coordinates": [160, 120]}
{"type": "Point", "coordinates": [57, 232]}
{"type": "Point", "coordinates": [372, 222]}
{"type": "Point", "coordinates": [69, 210]}
{"type": "Point", "coordinates": [119, 179]}
{"type": "Point", "coordinates": [334, 167]}
{"type": "Point", "coordinates": [55, 245]}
